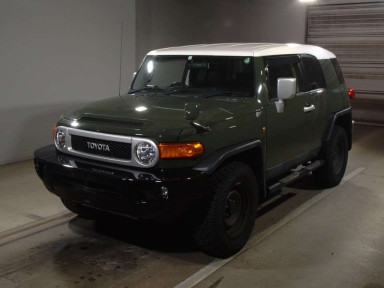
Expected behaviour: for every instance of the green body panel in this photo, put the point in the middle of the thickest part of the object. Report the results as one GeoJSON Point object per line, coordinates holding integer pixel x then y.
{"type": "Point", "coordinates": [338, 95]}
{"type": "Point", "coordinates": [231, 120]}
{"type": "Point", "coordinates": [164, 121]}
{"type": "Point", "coordinates": [229, 126]}
{"type": "Point", "coordinates": [288, 134]}
{"type": "Point", "coordinates": [320, 117]}
{"type": "Point", "coordinates": [163, 117]}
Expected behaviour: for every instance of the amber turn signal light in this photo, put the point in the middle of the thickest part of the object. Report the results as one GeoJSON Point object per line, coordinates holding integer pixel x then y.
{"type": "Point", "coordinates": [180, 150]}
{"type": "Point", "coordinates": [53, 132]}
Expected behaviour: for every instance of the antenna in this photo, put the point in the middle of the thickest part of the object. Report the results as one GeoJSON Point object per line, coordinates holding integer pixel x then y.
{"type": "Point", "coordinates": [121, 54]}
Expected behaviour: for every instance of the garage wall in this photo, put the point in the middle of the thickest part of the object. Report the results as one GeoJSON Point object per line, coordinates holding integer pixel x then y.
{"type": "Point", "coordinates": [58, 54]}
{"type": "Point", "coordinates": [164, 23]}
{"type": "Point", "coordinates": [355, 33]}
{"type": "Point", "coordinates": [55, 55]}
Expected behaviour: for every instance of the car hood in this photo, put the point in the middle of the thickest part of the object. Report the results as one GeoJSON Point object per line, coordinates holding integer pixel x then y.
{"type": "Point", "coordinates": [152, 115]}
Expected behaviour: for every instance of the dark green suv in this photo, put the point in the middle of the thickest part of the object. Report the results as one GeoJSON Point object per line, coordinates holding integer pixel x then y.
{"type": "Point", "coordinates": [207, 132]}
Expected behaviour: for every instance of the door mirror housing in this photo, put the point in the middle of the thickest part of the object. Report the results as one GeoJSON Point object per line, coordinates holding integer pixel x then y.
{"type": "Point", "coordinates": [286, 88]}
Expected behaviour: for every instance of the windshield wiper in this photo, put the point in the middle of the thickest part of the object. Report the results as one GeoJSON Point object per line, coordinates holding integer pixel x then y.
{"type": "Point", "coordinates": [179, 84]}
{"type": "Point", "coordinates": [149, 88]}
{"type": "Point", "coordinates": [180, 87]}
{"type": "Point", "coordinates": [215, 93]}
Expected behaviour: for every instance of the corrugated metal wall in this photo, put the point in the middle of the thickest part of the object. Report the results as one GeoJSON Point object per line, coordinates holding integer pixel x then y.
{"type": "Point", "coordinates": [355, 33]}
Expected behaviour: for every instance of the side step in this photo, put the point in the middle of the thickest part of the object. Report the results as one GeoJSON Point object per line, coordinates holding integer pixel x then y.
{"type": "Point", "coordinates": [295, 175]}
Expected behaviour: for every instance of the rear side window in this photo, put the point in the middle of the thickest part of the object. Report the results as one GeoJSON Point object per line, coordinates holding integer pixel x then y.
{"type": "Point", "coordinates": [338, 71]}
{"type": "Point", "coordinates": [314, 74]}
{"type": "Point", "coordinates": [282, 67]}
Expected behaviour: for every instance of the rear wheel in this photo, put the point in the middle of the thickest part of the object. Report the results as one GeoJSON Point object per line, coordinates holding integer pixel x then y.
{"type": "Point", "coordinates": [335, 155]}
{"type": "Point", "coordinates": [230, 211]}
{"type": "Point", "coordinates": [77, 208]}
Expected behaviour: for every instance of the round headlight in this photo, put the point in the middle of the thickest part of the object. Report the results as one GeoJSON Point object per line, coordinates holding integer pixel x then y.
{"type": "Point", "coordinates": [146, 153]}
{"type": "Point", "coordinates": [60, 139]}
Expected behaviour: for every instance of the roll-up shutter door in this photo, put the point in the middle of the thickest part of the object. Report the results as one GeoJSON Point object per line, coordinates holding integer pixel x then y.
{"type": "Point", "coordinates": [355, 33]}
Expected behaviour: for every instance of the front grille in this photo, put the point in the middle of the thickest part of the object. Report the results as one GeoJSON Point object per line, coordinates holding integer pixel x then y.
{"type": "Point", "coordinates": [100, 147]}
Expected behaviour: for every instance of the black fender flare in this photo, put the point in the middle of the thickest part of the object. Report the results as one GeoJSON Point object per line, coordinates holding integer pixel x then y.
{"type": "Point", "coordinates": [349, 128]}
{"type": "Point", "coordinates": [212, 162]}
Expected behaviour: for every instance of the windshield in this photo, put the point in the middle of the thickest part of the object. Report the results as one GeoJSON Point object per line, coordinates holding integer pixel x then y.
{"type": "Point", "coordinates": [197, 73]}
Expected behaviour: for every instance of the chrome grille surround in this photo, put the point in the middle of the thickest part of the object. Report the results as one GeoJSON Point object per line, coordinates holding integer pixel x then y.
{"type": "Point", "coordinates": [133, 162]}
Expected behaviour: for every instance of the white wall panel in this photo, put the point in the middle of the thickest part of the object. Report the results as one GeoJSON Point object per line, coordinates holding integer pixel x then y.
{"type": "Point", "coordinates": [55, 55]}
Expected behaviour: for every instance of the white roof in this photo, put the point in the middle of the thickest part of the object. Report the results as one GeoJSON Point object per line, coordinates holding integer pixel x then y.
{"type": "Point", "coordinates": [246, 49]}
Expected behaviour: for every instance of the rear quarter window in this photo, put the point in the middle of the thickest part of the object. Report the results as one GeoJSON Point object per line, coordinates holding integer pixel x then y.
{"type": "Point", "coordinates": [338, 71]}
{"type": "Point", "coordinates": [314, 74]}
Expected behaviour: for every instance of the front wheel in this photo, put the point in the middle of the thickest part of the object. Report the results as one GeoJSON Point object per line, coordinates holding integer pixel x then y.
{"type": "Point", "coordinates": [229, 211]}
{"type": "Point", "coordinates": [335, 155]}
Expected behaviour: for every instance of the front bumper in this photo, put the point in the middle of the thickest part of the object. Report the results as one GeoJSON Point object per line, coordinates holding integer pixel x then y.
{"type": "Point", "coordinates": [116, 189]}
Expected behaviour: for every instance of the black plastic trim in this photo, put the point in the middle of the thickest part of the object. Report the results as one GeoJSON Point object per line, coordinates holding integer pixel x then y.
{"type": "Point", "coordinates": [210, 164]}
{"type": "Point", "coordinates": [282, 168]}
{"type": "Point", "coordinates": [295, 175]}
{"type": "Point", "coordinates": [135, 193]}
{"type": "Point", "coordinates": [335, 116]}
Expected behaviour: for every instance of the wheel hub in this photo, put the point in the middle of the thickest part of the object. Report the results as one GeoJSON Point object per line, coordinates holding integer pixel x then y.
{"type": "Point", "coordinates": [233, 208]}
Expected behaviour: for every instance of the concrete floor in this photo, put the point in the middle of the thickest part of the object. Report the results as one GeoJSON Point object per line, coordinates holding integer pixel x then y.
{"type": "Point", "coordinates": [305, 237]}
{"type": "Point", "coordinates": [23, 197]}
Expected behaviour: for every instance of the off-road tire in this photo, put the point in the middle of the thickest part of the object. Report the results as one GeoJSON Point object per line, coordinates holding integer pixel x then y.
{"type": "Point", "coordinates": [77, 208]}
{"type": "Point", "coordinates": [214, 235]}
{"type": "Point", "coordinates": [335, 155]}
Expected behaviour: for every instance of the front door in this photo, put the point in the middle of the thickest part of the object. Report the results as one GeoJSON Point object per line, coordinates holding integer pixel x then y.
{"type": "Point", "coordinates": [289, 132]}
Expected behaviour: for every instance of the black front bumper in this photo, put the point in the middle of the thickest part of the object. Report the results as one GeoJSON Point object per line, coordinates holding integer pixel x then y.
{"type": "Point", "coordinates": [118, 189]}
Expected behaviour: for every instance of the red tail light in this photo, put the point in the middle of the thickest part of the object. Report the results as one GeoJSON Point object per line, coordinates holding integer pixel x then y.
{"type": "Point", "coordinates": [351, 93]}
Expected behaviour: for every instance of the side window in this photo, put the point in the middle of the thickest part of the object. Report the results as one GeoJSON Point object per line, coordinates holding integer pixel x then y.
{"type": "Point", "coordinates": [314, 74]}
{"type": "Point", "coordinates": [282, 68]}
{"type": "Point", "coordinates": [338, 71]}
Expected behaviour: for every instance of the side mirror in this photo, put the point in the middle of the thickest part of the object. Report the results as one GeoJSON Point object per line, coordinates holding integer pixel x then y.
{"type": "Point", "coordinates": [286, 89]}
{"type": "Point", "coordinates": [133, 75]}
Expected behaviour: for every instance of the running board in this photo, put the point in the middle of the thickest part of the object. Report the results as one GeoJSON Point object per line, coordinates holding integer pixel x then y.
{"type": "Point", "coordinates": [295, 175]}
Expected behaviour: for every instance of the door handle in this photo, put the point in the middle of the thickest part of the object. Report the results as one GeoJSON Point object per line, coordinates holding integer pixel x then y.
{"type": "Point", "coordinates": [309, 108]}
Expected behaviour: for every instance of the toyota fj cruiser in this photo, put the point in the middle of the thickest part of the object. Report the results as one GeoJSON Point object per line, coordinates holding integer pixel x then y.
{"type": "Point", "coordinates": [208, 130]}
